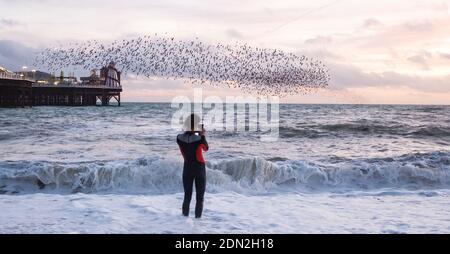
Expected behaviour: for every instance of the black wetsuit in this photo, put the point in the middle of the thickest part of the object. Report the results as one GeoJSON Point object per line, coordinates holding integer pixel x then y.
{"type": "Point", "coordinates": [191, 146]}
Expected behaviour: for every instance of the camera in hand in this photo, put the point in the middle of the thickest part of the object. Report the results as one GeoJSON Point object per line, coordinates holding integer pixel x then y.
{"type": "Point", "coordinates": [202, 129]}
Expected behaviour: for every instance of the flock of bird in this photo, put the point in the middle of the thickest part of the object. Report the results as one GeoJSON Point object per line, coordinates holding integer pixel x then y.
{"type": "Point", "coordinates": [252, 69]}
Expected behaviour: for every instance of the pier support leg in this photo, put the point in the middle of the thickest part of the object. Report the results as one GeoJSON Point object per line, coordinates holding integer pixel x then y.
{"type": "Point", "coordinates": [105, 100]}
{"type": "Point", "coordinates": [117, 97]}
{"type": "Point", "coordinates": [71, 99]}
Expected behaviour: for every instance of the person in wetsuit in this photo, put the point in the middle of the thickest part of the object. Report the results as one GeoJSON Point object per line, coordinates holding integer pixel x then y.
{"type": "Point", "coordinates": [192, 144]}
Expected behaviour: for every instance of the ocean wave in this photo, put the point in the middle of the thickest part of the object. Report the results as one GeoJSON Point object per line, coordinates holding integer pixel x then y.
{"type": "Point", "coordinates": [415, 171]}
{"type": "Point", "coordinates": [153, 175]}
{"type": "Point", "coordinates": [431, 131]}
{"type": "Point", "coordinates": [316, 131]}
{"type": "Point", "coordinates": [159, 175]}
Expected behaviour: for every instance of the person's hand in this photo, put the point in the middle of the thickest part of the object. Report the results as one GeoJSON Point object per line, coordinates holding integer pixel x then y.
{"type": "Point", "coordinates": [203, 132]}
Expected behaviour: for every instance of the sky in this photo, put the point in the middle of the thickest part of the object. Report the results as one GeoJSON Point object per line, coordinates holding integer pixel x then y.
{"type": "Point", "coordinates": [378, 52]}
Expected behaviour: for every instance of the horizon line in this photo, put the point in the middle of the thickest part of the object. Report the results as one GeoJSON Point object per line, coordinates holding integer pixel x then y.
{"type": "Point", "coordinates": [309, 103]}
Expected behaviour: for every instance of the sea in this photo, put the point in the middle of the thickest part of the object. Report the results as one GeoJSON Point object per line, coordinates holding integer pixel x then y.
{"type": "Point", "coordinates": [332, 169]}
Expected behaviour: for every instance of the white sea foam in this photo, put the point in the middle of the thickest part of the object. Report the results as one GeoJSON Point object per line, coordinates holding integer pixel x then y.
{"type": "Point", "coordinates": [253, 175]}
{"type": "Point", "coordinates": [227, 212]}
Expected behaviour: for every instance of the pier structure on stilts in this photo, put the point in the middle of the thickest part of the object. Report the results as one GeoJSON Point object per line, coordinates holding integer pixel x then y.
{"type": "Point", "coordinates": [18, 90]}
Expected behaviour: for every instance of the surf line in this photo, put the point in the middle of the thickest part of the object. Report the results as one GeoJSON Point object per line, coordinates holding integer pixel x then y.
{"type": "Point", "coordinates": [187, 244]}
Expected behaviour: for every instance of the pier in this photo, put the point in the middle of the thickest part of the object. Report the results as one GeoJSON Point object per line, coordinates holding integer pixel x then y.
{"type": "Point", "coordinates": [74, 95]}
{"type": "Point", "coordinates": [18, 91]}
{"type": "Point", "coordinates": [15, 91]}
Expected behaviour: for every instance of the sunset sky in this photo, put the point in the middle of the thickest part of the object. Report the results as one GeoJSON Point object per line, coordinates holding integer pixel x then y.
{"type": "Point", "coordinates": [377, 51]}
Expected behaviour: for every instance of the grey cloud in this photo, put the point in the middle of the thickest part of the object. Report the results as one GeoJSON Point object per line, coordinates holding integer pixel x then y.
{"type": "Point", "coordinates": [346, 76]}
{"type": "Point", "coordinates": [420, 26]}
{"type": "Point", "coordinates": [137, 82]}
{"type": "Point", "coordinates": [445, 55]}
{"type": "Point", "coordinates": [420, 59]}
{"type": "Point", "coordinates": [9, 22]}
{"type": "Point", "coordinates": [14, 55]}
{"type": "Point", "coordinates": [319, 40]}
{"type": "Point", "coordinates": [370, 23]}
{"type": "Point", "coordinates": [232, 33]}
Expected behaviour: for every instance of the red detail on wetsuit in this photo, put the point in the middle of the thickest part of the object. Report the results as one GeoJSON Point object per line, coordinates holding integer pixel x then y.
{"type": "Point", "coordinates": [199, 153]}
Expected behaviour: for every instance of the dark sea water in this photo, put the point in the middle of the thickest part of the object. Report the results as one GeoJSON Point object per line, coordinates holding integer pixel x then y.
{"type": "Point", "coordinates": [132, 149]}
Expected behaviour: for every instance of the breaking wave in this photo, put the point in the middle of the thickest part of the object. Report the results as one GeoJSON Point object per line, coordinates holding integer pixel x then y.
{"type": "Point", "coordinates": [159, 175]}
